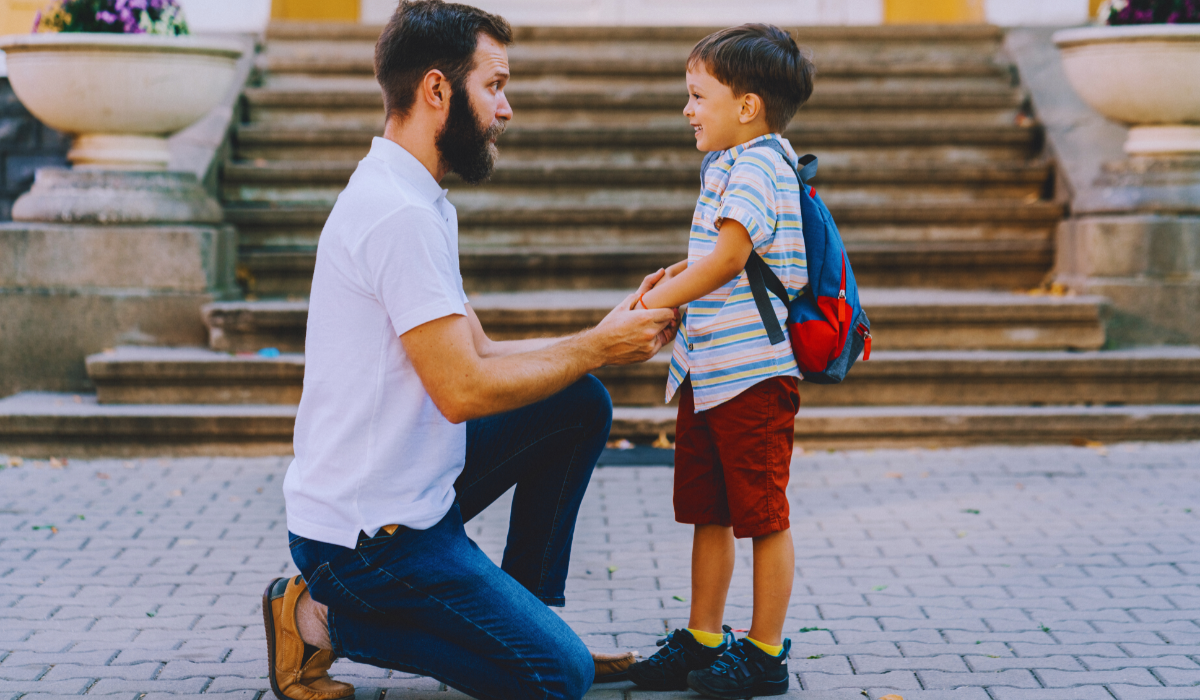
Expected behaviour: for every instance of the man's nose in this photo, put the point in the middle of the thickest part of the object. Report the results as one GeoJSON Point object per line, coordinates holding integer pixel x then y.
{"type": "Point", "coordinates": [503, 108]}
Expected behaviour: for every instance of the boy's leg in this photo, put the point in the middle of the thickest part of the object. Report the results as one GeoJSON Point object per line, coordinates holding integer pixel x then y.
{"type": "Point", "coordinates": [774, 571]}
{"type": "Point", "coordinates": [699, 500]}
{"type": "Point", "coordinates": [754, 439]}
{"type": "Point", "coordinates": [712, 570]}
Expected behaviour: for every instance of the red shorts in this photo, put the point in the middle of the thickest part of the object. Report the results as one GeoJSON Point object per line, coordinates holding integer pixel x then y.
{"type": "Point", "coordinates": [732, 461]}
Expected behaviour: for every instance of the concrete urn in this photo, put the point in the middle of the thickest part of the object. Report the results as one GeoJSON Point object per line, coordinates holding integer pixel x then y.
{"type": "Point", "coordinates": [1146, 76]}
{"type": "Point", "coordinates": [121, 95]}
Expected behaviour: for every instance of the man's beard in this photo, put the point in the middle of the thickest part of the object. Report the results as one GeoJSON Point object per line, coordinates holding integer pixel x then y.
{"type": "Point", "coordinates": [466, 147]}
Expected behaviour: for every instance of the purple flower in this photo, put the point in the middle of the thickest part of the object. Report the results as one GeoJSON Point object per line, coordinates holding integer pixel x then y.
{"type": "Point", "coordinates": [37, 21]}
{"type": "Point", "coordinates": [106, 17]}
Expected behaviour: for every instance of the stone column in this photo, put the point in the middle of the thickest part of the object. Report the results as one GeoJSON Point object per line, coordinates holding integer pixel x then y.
{"type": "Point", "coordinates": [1135, 239]}
{"type": "Point", "coordinates": [94, 260]}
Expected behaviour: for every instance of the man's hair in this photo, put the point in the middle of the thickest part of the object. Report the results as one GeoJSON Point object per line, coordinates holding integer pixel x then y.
{"type": "Point", "coordinates": [761, 59]}
{"type": "Point", "coordinates": [425, 35]}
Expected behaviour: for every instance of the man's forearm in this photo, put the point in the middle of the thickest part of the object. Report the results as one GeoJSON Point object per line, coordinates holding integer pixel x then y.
{"type": "Point", "coordinates": [518, 377]}
{"type": "Point", "coordinates": [503, 348]}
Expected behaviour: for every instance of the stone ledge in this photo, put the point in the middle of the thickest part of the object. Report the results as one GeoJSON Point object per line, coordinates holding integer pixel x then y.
{"type": "Point", "coordinates": [45, 425]}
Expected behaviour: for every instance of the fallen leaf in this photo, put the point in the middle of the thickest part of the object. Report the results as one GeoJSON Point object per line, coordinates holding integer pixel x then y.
{"type": "Point", "coordinates": [882, 587]}
{"type": "Point", "coordinates": [77, 398]}
{"type": "Point", "coordinates": [894, 475]}
{"type": "Point", "coordinates": [258, 490]}
{"type": "Point", "coordinates": [102, 475]}
{"type": "Point", "coordinates": [1044, 628]}
{"type": "Point", "coordinates": [961, 534]}
{"type": "Point", "coordinates": [680, 598]}
{"type": "Point", "coordinates": [612, 569]}
{"type": "Point", "coordinates": [235, 499]}
{"type": "Point", "coordinates": [80, 516]}
{"type": "Point", "coordinates": [51, 528]}
{"type": "Point", "coordinates": [815, 656]}
{"type": "Point", "coordinates": [972, 511]}
{"type": "Point", "coordinates": [56, 463]}
{"type": "Point", "coordinates": [150, 614]}
{"type": "Point", "coordinates": [813, 629]}
{"type": "Point", "coordinates": [893, 696]}
{"type": "Point", "coordinates": [176, 493]}
{"type": "Point", "coordinates": [1020, 486]}
{"type": "Point", "coordinates": [15, 461]}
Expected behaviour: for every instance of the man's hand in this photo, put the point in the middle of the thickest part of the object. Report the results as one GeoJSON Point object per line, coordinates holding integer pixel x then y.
{"type": "Point", "coordinates": [628, 335]}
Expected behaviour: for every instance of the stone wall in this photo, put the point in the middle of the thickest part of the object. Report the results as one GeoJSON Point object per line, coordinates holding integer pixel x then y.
{"type": "Point", "coordinates": [25, 145]}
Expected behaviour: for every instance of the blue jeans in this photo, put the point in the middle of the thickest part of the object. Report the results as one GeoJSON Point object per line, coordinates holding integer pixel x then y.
{"type": "Point", "coordinates": [430, 602]}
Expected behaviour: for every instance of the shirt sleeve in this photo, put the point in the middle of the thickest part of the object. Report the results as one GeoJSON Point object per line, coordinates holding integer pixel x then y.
{"type": "Point", "coordinates": [407, 262]}
{"type": "Point", "coordinates": [749, 197]}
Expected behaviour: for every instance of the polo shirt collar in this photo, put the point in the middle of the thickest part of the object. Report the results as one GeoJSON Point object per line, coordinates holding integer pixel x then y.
{"type": "Point", "coordinates": [406, 165]}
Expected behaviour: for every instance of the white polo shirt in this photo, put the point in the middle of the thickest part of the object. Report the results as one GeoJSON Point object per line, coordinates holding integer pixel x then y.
{"type": "Point", "coordinates": [372, 449]}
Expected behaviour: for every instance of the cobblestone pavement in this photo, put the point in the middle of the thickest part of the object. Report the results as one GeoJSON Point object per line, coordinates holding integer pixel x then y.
{"type": "Point", "coordinates": [987, 573]}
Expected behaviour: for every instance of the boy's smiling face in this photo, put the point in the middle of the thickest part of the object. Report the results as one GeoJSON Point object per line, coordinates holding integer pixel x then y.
{"type": "Point", "coordinates": [721, 119]}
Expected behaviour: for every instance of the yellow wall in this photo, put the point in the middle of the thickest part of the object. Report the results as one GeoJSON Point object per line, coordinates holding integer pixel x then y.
{"type": "Point", "coordinates": [933, 11]}
{"type": "Point", "coordinates": [16, 16]}
{"type": "Point", "coordinates": [1094, 6]}
{"type": "Point", "coordinates": [346, 10]}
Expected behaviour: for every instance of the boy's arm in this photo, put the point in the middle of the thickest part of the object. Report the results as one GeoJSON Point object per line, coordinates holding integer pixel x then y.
{"type": "Point", "coordinates": [725, 262]}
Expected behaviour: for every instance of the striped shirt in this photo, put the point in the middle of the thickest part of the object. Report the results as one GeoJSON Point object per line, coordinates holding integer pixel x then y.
{"type": "Point", "coordinates": [722, 342]}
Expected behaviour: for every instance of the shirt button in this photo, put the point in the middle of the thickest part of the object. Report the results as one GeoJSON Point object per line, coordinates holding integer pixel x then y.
{"type": "Point", "coordinates": [690, 347]}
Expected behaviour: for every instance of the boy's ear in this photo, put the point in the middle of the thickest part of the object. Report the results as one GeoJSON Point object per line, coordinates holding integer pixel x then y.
{"type": "Point", "coordinates": [751, 108]}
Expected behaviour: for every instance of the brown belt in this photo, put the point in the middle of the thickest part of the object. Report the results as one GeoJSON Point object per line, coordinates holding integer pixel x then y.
{"type": "Point", "coordinates": [389, 529]}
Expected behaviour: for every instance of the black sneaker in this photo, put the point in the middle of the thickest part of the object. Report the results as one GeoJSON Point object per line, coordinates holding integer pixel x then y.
{"type": "Point", "coordinates": [743, 672]}
{"type": "Point", "coordinates": [668, 668]}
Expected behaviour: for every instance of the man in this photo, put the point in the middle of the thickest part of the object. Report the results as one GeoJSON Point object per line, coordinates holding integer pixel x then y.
{"type": "Point", "coordinates": [412, 420]}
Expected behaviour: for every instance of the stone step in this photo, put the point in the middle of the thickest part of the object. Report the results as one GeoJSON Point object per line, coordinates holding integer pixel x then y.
{"type": "Point", "coordinates": [922, 34]}
{"type": "Point", "coordinates": [275, 143]}
{"type": "Point", "coordinates": [665, 57]}
{"type": "Point", "coordinates": [890, 378]}
{"type": "Point", "coordinates": [317, 99]}
{"type": "Point", "coordinates": [999, 264]}
{"type": "Point", "coordinates": [612, 170]}
{"type": "Point", "coordinates": [39, 426]}
{"type": "Point", "coordinates": [300, 182]}
{"type": "Point", "coordinates": [901, 319]}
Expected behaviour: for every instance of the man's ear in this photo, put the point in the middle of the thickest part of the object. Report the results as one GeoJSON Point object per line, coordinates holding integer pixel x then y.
{"type": "Point", "coordinates": [751, 108]}
{"type": "Point", "coordinates": [435, 90]}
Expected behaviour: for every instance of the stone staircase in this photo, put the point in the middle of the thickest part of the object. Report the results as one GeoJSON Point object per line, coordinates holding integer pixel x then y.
{"type": "Point", "coordinates": [930, 162]}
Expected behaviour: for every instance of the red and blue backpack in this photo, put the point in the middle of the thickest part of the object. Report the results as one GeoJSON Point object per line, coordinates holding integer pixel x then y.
{"type": "Point", "coordinates": [826, 322]}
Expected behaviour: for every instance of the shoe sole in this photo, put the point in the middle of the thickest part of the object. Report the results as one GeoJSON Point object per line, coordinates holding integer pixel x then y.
{"type": "Point", "coordinates": [765, 689]}
{"type": "Point", "coordinates": [269, 623]}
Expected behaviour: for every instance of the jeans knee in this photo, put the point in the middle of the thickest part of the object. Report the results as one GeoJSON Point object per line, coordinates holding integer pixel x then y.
{"type": "Point", "coordinates": [592, 399]}
{"type": "Point", "coordinates": [578, 670]}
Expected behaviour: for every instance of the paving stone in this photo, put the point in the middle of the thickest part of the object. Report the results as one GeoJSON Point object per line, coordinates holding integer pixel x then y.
{"type": "Point", "coordinates": [881, 567]}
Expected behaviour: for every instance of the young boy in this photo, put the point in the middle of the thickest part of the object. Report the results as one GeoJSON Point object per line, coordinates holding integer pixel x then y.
{"type": "Point", "coordinates": [738, 392]}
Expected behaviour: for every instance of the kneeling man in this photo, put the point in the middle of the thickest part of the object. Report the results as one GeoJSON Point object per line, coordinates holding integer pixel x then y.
{"type": "Point", "coordinates": [412, 421]}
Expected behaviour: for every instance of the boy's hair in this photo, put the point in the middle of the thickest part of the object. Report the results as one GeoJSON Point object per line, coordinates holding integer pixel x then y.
{"type": "Point", "coordinates": [761, 59]}
{"type": "Point", "coordinates": [425, 35]}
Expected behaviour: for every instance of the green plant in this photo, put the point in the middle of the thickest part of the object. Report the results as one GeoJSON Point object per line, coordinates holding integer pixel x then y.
{"type": "Point", "coordinates": [163, 17]}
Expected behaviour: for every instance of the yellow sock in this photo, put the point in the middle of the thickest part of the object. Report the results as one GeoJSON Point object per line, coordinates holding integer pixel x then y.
{"type": "Point", "coordinates": [708, 639]}
{"type": "Point", "coordinates": [770, 649]}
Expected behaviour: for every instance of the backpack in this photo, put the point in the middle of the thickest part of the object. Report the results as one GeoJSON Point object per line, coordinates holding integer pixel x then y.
{"type": "Point", "coordinates": [827, 324]}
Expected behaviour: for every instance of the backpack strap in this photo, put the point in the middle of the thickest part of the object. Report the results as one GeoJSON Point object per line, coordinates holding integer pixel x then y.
{"type": "Point", "coordinates": [763, 279]}
{"type": "Point", "coordinates": [760, 275]}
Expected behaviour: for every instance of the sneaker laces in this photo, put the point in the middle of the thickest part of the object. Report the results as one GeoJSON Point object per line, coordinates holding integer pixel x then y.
{"type": "Point", "coordinates": [733, 662]}
{"type": "Point", "coordinates": [673, 655]}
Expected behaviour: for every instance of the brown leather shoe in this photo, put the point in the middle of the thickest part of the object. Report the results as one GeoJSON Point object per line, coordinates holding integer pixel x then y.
{"type": "Point", "coordinates": [611, 668]}
{"type": "Point", "coordinates": [291, 677]}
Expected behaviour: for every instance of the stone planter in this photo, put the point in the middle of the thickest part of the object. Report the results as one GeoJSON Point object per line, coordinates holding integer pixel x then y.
{"type": "Point", "coordinates": [120, 94]}
{"type": "Point", "coordinates": [1145, 76]}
